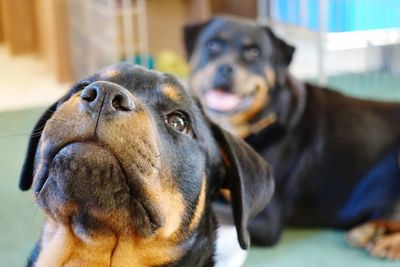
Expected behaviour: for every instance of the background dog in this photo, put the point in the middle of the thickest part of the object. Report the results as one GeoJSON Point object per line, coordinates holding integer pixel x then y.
{"type": "Point", "coordinates": [125, 167]}
{"type": "Point", "coordinates": [335, 158]}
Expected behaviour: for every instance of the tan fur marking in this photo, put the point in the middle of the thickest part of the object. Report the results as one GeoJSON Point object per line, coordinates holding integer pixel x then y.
{"type": "Point", "coordinates": [200, 205]}
{"type": "Point", "coordinates": [260, 100]}
{"type": "Point", "coordinates": [110, 73]}
{"type": "Point", "coordinates": [62, 246]}
{"type": "Point", "coordinates": [56, 246]}
{"type": "Point", "coordinates": [225, 194]}
{"type": "Point", "coordinates": [170, 202]}
{"type": "Point", "coordinates": [380, 237]}
{"type": "Point", "coordinates": [271, 76]}
{"type": "Point", "coordinates": [131, 252]}
{"type": "Point", "coordinates": [245, 130]}
{"type": "Point", "coordinates": [172, 93]}
{"type": "Point", "coordinates": [241, 121]}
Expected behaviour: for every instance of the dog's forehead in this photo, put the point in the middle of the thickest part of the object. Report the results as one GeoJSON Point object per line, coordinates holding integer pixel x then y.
{"type": "Point", "coordinates": [138, 79]}
{"type": "Point", "coordinates": [130, 76]}
{"type": "Point", "coordinates": [233, 29]}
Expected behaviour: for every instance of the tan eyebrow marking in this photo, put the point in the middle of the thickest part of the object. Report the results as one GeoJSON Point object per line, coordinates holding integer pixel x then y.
{"type": "Point", "coordinates": [172, 93]}
{"type": "Point", "coordinates": [110, 73]}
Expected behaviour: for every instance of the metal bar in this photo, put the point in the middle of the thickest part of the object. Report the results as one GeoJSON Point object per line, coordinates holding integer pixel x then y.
{"type": "Point", "coordinates": [129, 36]}
{"type": "Point", "coordinates": [263, 12]}
{"type": "Point", "coordinates": [143, 37]}
{"type": "Point", "coordinates": [323, 19]}
{"type": "Point", "coordinates": [304, 16]}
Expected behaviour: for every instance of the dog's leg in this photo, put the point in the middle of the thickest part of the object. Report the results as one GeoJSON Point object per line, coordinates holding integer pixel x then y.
{"type": "Point", "coordinates": [380, 237]}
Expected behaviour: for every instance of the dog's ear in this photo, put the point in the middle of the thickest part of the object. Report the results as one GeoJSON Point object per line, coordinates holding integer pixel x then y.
{"type": "Point", "coordinates": [26, 177]}
{"type": "Point", "coordinates": [283, 55]}
{"type": "Point", "coordinates": [191, 34]}
{"type": "Point", "coordinates": [248, 178]}
{"type": "Point", "coordinates": [284, 51]}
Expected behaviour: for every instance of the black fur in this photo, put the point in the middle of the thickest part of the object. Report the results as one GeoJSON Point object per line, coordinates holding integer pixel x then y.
{"type": "Point", "coordinates": [337, 151]}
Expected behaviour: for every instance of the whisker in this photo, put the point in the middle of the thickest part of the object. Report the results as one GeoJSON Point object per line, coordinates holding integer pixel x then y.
{"type": "Point", "coordinates": [14, 135]}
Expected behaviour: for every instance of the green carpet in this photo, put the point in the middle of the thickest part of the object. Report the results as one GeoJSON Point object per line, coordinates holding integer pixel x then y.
{"type": "Point", "coordinates": [371, 85]}
{"type": "Point", "coordinates": [20, 219]}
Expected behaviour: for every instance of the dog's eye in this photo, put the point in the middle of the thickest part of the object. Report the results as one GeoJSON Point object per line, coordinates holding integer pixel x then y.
{"type": "Point", "coordinates": [178, 121]}
{"type": "Point", "coordinates": [215, 46]}
{"type": "Point", "coordinates": [251, 53]}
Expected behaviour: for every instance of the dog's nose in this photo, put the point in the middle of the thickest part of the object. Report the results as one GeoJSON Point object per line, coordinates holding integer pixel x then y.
{"type": "Point", "coordinates": [224, 70]}
{"type": "Point", "coordinates": [223, 77]}
{"type": "Point", "coordinates": [107, 97]}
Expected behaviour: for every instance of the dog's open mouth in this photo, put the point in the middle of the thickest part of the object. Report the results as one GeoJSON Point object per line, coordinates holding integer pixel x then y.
{"type": "Point", "coordinates": [226, 102]}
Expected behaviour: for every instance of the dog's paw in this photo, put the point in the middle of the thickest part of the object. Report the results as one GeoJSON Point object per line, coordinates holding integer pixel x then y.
{"type": "Point", "coordinates": [380, 239]}
{"type": "Point", "coordinates": [387, 246]}
{"type": "Point", "coordinates": [364, 235]}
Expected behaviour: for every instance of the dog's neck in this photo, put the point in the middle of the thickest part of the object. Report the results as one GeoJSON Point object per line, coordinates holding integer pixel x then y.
{"type": "Point", "coordinates": [289, 109]}
{"type": "Point", "coordinates": [61, 245]}
{"type": "Point", "coordinates": [297, 102]}
{"type": "Point", "coordinates": [287, 113]}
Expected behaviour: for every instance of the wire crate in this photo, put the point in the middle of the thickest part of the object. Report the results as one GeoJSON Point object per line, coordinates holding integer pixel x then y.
{"type": "Point", "coordinates": [351, 45]}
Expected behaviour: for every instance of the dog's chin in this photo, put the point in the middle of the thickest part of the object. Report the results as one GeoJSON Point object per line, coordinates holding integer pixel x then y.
{"type": "Point", "coordinates": [86, 185]}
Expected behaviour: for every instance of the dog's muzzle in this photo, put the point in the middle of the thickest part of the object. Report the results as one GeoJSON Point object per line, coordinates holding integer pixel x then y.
{"type": "Point", "coordinates": [89, 174]}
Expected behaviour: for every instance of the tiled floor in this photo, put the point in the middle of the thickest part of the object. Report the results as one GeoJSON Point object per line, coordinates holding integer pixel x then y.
{"type": "Point", "coordinates": [25, 81]}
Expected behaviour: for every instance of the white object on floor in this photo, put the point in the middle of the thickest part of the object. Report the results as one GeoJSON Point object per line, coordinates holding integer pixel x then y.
{"type": "Point", "coordinates": [228, 251]}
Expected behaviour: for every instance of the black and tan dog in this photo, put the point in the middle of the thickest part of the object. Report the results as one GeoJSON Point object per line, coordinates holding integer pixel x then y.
{"type": "Point", "coordinates": [335, 158]}
{"type": "Point", "coordinates": [125, 167]}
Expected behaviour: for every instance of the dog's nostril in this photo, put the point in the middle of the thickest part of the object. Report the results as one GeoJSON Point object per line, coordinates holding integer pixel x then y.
{"type": "Point", "coordinates": [106, 97]}
{"type": "Point", "coordinates": [123, 103]}
{"type": "Point", "coordinates": [89, 94]}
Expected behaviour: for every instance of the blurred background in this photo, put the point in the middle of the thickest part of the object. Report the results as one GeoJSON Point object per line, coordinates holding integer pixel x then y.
{"type": "Point", "coordinates": [351, 45]}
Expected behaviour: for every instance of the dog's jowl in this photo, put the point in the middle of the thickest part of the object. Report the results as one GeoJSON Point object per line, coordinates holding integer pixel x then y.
{"type": "Point", "coordinates": [125, 167]}
{"type": "Point", "coordinates": [335, 158]}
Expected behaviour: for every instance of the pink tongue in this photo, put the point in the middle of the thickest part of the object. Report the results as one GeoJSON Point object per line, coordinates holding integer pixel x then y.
{"type": "Point", "coordinates": [221, 101]}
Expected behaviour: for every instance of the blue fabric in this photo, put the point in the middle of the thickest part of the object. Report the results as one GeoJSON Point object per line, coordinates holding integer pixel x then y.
{"type": "Point", "coordinates": [368, 195]}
